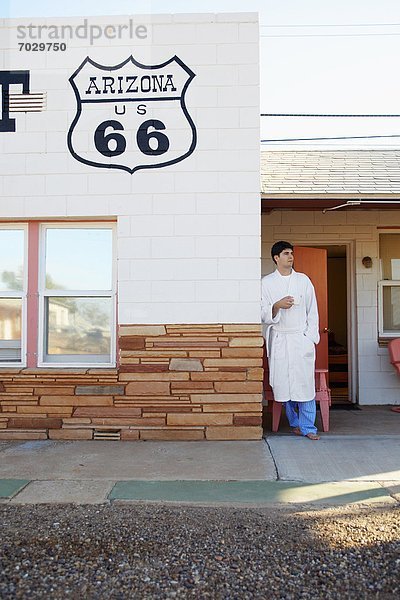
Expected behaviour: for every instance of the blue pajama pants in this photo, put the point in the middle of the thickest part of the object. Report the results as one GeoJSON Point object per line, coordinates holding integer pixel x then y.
{"type": "Point", "coordinates": [302, 415]}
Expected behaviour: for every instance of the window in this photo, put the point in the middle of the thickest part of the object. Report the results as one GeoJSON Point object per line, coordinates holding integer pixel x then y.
{"type": "Point", "coordinates": [389, 286]}
{"type": "Point", "coordinates": [12, 293]}
{"type": "Point", "coordinates": [76, 293]}
{"type": "Point", "coordinates": [61, 298]}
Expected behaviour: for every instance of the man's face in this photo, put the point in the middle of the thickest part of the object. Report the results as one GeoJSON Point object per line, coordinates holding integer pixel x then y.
{"type": "Point", "coordinates": [285, 259]}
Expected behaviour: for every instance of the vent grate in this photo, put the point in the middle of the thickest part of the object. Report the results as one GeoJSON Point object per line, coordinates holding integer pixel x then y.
{"type": "Point", "coordinates": [35, 102]}
{"type": "Point", "coordinates": [104, 434]}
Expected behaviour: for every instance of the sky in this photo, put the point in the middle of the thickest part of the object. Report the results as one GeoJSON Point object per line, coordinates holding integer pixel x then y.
{"type": "Point", "coordinates": [316, 57]}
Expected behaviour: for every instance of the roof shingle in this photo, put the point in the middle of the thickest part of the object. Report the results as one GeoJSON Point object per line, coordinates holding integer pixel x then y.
{"type": "Point", "coordinates": [321, 172]}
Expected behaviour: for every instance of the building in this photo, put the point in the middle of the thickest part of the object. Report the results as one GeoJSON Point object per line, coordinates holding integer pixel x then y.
{"type": "Point", "coordinates": [132, 241]}
{"type": "Point", "coordinates": [130, 228]}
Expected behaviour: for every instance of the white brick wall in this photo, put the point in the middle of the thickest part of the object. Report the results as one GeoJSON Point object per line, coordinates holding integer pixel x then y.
{"type": "Point", "coordinates": [189, 233]}
{"type": "Point", "coordinates": [378, 382]}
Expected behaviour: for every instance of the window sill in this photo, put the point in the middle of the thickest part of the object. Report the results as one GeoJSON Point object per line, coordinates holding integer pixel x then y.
{"type": "Point", "coordinates": [383, 341]}
{"type": "Point", "coordinates": [112, 370]}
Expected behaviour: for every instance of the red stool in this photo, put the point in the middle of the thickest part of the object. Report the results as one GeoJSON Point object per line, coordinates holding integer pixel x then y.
{"type": "Point", "coordinates": [323, 397]}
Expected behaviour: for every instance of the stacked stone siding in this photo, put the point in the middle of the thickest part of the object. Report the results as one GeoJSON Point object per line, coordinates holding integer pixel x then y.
{"type": "Point", "coordinates": [174, 382]}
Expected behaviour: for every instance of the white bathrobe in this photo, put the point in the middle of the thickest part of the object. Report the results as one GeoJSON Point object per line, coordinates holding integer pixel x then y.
{"type": "Point", "coordinates": [291, 336]}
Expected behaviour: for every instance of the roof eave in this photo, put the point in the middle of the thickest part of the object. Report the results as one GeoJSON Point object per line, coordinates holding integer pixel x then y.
{"type": "Point", "coordinates": [330, 196]}
{"type": "Point", "coordinates": [321, 201]}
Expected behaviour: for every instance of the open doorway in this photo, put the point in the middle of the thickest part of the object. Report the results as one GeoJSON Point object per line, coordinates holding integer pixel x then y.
{"type": "Point", "coordinates": [327, 265]}
{"type": "Point", "coordinates": [338, 337]}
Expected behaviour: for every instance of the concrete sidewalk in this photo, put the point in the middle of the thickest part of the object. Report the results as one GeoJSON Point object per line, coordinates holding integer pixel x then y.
{"type": "Point", "coordinates": [285, 469]}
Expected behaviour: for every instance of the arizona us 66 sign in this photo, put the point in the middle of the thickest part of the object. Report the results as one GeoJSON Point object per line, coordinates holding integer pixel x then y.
{"type": "Point", "coordinates": [131, 116]}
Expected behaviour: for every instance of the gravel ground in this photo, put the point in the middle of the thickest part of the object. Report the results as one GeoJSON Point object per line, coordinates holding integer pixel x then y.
{"type": "Point", "coordinates": [156, 551]}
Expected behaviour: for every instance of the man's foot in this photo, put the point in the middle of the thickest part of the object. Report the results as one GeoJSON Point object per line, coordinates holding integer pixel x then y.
{"type": "Point", "coordinates": [312, 436]}
{"type": "Point", "coordinates": [296, 431]}
{"type": "Point", "coordinates": [395, 409]}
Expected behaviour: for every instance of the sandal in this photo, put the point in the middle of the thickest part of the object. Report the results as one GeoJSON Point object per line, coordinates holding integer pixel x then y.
{"type": "Point", "coordinates": [312, 436]}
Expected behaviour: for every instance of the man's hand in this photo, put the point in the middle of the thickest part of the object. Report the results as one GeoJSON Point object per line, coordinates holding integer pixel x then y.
{"type": "Point", "coordinates": [286, 302]}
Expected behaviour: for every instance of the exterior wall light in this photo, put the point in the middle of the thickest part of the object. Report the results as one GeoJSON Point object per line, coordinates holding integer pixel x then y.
{"type": "Point", "coordinates": [367, 262]}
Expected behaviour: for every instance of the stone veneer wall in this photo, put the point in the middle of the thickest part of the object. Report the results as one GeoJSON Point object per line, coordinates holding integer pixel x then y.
{"type": "Point", "coordinates": [174, 382]}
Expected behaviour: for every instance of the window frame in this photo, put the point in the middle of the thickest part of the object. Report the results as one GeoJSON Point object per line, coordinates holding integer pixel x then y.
{"type": "Point", "coordinates": [382, 283]}
{"type": "Point", "coordinates": [23, 295]}
{"type": "Point", "coordinates": [75, 360]}
{"type": "Point", "coordinates": [383, 333]}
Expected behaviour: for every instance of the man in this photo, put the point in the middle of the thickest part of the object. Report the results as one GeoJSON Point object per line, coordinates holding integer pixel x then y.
{"type": "Point", "coordinates": [289, 308]}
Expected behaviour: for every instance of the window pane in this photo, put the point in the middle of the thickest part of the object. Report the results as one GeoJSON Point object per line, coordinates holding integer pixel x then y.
{"type": "Point", "coordinates": [391, 308]}
{"type": "Point", "coordinates": [12, 259]}
{"type": "Point", "coordinates": [10, 318]}
{"type": "Point", "coordinates": [78, 326]}
{"type": "Point", "coordinates": [79, 259]}
{"type": "Point", "coordinates": [389, 248]}
{"type": "Point", "coordinates": [10, 329]}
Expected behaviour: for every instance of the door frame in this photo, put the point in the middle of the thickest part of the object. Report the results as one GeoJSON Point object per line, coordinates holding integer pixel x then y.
{"type": "Point", "coordinates": [351, 304]}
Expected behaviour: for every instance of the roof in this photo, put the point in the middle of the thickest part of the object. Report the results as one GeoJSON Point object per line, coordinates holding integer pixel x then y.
{"type": "Point", "coordinates": [330, 174]}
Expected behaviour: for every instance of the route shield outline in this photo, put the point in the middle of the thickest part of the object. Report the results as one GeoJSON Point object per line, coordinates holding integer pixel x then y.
{"type": "Point", "coordinates": [131, 116]}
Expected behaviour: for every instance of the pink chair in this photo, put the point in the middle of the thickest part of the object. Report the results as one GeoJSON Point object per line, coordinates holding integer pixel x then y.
{"type": "Point", "coordinates": [323, 397]}
{"type": "Point", "coordinates": [394, 354]}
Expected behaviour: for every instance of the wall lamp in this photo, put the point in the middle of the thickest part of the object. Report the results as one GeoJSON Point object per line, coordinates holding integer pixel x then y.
{"type": "Point", "coordinates": [367, 262]}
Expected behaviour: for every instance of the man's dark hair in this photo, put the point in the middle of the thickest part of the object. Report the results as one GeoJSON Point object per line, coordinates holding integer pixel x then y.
{"type": "Point", "coordinates": [279, 247]}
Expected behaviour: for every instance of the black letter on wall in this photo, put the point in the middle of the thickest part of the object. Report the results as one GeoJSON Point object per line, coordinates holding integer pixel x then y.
{"type": "Point", "coordinates": [7, 78]}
